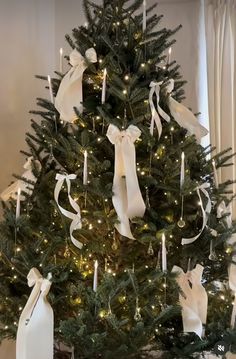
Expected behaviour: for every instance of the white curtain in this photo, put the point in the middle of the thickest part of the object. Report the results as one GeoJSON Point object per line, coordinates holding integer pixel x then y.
{"type": "Point", "coordinates": [220, 31]}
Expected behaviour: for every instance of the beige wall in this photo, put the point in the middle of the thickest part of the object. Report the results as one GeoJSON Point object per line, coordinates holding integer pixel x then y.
{"type": "Point", "coordinates": [31, 33]}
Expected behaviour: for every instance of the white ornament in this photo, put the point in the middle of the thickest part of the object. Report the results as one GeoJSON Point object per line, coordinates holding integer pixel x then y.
{"type": "Point", "coordinates": [183, 116]}
{"type": "Point", "coordinates": [70, 92]}
{"type": "Point", "coordinates": [194, 299]}
{"type": "Point", "coordinates": [12, 190]}
{"type": "Point", "coordinates": [76, 217]}
{"type": "Point", "coordinates": [127, 198]}
{"type": "Point", "coordinates": [35, 330]}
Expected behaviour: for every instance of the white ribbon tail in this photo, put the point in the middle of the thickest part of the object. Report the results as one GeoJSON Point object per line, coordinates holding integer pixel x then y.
{"type": "Point", "coordinates": [205, 213]}
{"type": "Point", "coordinates": [75, 217]}
{"type": "Point", "coordinates": [155, 89]}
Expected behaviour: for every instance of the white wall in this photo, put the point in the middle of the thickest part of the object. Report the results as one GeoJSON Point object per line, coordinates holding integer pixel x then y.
{"type": "Point", "coordinates": [31, 33]}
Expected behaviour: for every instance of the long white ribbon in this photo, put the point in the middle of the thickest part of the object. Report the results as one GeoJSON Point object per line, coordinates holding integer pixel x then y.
{"type": "Point", "coordinates": [35, 329]}
{"type": "Point", "coordinates": [205, 212]}
{"type": "Point", "coordinates": [194, 300]}
{"type": "Point", "coordinates": [70, 92]}
{"type": "Point", "coordinates": [76, 217]}
{"type": "Point", "coordinates": [232, 285]}
{"type": "Point", "coordinates": [127, 198]}
{"type": "Point", "coordinates": [155, 89]}
{"type": "Point", "coordinates": [12, 190]}
{"type": "Point", "coordinates": [184, 117]}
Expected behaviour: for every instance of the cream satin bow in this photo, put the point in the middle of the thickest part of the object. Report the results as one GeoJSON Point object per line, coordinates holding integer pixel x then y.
{"type": "Point", "coordinates": [156, 111]}
{"type": "Point", "coordinates": [205, 212]}
{"type": "Point", "coordinates": [70, 92]}
{"type": "Point", "coordinates": [193, 300]}
{"type": "Point", "coordinates": [222, 210]}
{"type": "Point", "coordinates": [232, 285]}
{"type": "Point", "coordinates": [76, 217]}
{"type": "Point", "coordinates": [11, 191]}
{"type": "Point", "coordinates": [127, 198]}
{"type": "Point", "coordinates": [184, 117]}
{"type": "Point", "coordinates": [35, 329]}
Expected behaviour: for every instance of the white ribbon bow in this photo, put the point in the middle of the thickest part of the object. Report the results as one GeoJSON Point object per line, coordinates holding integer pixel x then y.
{"type": "Point", "coordinates": [205, 212]}
{"type": "Point", "coordinates": [11, 191]}
{"type": "Point", "coordinates": [184, 117]}
{"type": "Point", "coordinates": [127, 198]}
{"type": "Point", "coordinates": [232, 285]}
{"type": "Point", "coordinates": [70, 92]}
{"type": "Point", "coordinates": [194, 299]}
{"type": "Point", "coordinates": [222, 210]}
{"type": "Point", "coordinates": [35, 329]}
{"type": "Point", "coordinates": [76, 217]}
{"type": "Point", "coordinates": [155, 89]}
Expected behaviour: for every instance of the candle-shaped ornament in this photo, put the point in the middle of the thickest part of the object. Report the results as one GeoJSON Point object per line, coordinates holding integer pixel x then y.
{"type": "Point", "coordinates": [104, 84]}
{"type": "Point", "coordinates": [169, 55]}
{"type": "Point", "coordinates": [163, 253]}
{"type": "Point", "coordinates": [61, 60]}
{"type": "Point", "coordinates": [215, 174]}
{"type": "Point", "coordinates": [144, 15]}
{"type": "Point", "coordinates": [95, 276]}
{"type": "Point", "coordinates": [85, 172]}
{"type": "Point", "coordinates": [182, 170]}
{"type": "Point", "coordinates": [18, 203]}
{"type": "Point", "coordinates": [50, 89]}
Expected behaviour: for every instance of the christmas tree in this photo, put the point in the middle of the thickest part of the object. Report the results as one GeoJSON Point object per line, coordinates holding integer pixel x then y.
{"type": "Point", "coordinates": [120, 202]}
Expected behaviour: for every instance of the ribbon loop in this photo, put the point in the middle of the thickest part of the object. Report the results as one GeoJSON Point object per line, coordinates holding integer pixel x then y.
{"type": "Point", "coordinates": [205, 212]}
{"type": "Point", "coordinates": [193, 299]}
{"type": "Point", "coordinates": [155, 89]}
{"type": "Point", "coordinates": [70, 92]}
{"type": "Point", "coordinates": [127, 198]}
{"type": "Point", "coordinates": [75, 217]}
{"type": "Point", "coordinates": [35, 329]}
{"type": "Point", "coordinates": [11, 191]}
{"type": "Point", "coordinates": [183, 116]}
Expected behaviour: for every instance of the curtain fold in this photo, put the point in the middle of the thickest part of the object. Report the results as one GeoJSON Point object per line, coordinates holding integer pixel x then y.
{"type": "Point", "coordinates": [220, 32]}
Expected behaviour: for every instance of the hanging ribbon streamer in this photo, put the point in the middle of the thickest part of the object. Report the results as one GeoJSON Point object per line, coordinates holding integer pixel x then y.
{"type": "Point", "coordinates": [205, 212]}
{"type": "Point", "coordinates": [127, 198]}
{"type": "Point", "coordinates": [12, 190]}
{"type": "Point", "coordinates": [232, 285]}
{"type": "Point", "coordinates": [144, 15]}
{"type": "Point", "coordinates": [183, 116]}
{"type": "Point", "coordinates": [70, 93]}
{"type": "Point", "coordinates": [35, 330]}
{"type": "Point", "coordinates": [155, 89]}
{"type": "Point", "coordinates": [76, 217]}
{"type": "Point", "coordinates": [194, 299]}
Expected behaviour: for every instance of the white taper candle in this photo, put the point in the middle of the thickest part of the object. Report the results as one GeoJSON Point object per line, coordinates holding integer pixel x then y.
{"type": "Point", "coordinates": [85, 172]}
{"type": "Point", "coordinates": [215, 174]}
{"type": "Point", "coordinates": [95, 276]}
{"type": "Point", "coordinates": [104, 84]}
{"type": "Point", "coordinates": [50, 89]}
{"type": "Point", "coordinates": [163, 253]}
{"type": "Point", "coordinates": [61, 60]}
{"type": "Point", "coordinates": [182, 170]}
{"type": "Point", "coordinates": [18, 203]}
{"type": "Point", "coordinates": [169, 55]}
{"type": "Point", "coordinates": [144, 15]}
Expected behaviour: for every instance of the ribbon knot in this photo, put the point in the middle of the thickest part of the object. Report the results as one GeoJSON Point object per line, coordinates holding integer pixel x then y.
{"type": "Point", "coordinates": [127, 198]}
{"type": "Point", "coordinates": [193, 299]}
{"type": "Point", "coordinates": [156, 111]}
{"type": "Point", "coordinates": [70, 92]}
{"type": "Point", "coordinates": [183, 116]}
{"type": "Point", "coordinates": [76, 217]}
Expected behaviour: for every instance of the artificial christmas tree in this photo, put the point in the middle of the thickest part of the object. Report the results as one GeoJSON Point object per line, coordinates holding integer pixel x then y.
{"type": "Point", "coordinates": [126, 212]}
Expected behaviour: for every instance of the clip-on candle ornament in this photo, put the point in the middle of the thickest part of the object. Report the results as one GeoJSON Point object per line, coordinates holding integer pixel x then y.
{"type": "Point", "coordinates": [95, 276]}
{"type": "Point", "coordinates": [163, 253]}
{"type": "Point", "coordinates": [104, 84]}
{"type": "Point", "coordinates": [181, 222]}
{"type": "Point", "coordinates": [169, 56]}
{"type": "Point", "coordinates": [61, 60]}
{"type": "Point", "coordinates": [18, 203]}
{"type": "Point", "coordinates": [212, 256]}
{"type": "Point", "coordinates": [85, 171]}
{"type": "Point", "coordinates": [144, 15]}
